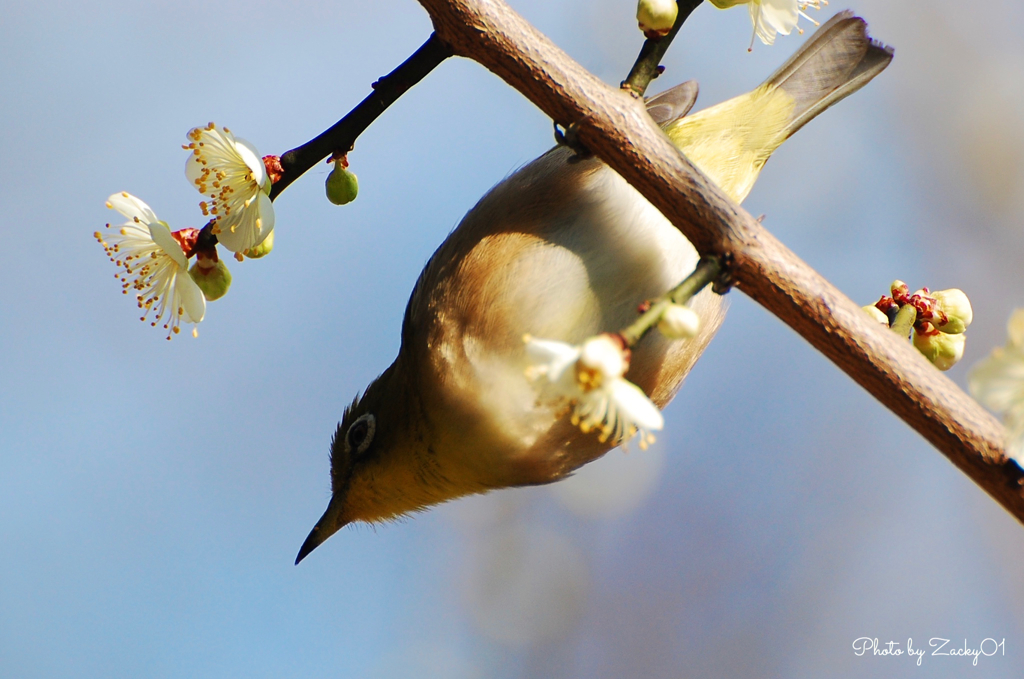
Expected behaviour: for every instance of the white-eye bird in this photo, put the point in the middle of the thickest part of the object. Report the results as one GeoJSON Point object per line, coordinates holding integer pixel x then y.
{"type": "Point", "coordinates": [562, 249]}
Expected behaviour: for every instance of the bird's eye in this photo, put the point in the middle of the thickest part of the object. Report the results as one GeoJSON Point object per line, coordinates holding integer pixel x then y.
{"type": "Point", "coordinates": [360, 434]}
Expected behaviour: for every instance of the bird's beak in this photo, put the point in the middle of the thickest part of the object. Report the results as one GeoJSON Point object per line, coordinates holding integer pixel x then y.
{"type": "Point", "coordinates": [328, 525]}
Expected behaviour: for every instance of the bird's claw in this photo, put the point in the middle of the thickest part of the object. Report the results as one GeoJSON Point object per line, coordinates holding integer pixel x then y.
{"type": "Point", "coordinates": [725, 280]}
{"type": "Point", "coordinates": [570, 138]}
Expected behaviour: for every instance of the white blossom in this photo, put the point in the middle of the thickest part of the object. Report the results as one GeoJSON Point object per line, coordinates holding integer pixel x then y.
{"type": "Point", "coordinates": [771, 17]}
{"type": "Point", "coordinates": [589, 378]}
{"type": "Point", "coordinates": [231, 173]}
{"type": "Point", "coordinates": [997, 382]}
{"type": "Point", "coordinates": [153, 264]}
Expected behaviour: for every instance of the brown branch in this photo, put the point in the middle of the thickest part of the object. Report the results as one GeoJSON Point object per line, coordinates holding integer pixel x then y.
{"type": "Point", "coordinates": [343, 134]}
{"type": "Point", "coordinates": [615, 126]}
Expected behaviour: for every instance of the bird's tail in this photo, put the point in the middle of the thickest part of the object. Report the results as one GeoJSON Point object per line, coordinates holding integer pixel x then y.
{"type": "Point", "coordinates": [731, 142]}
{"type": "Point", "coordinates": [839, 59]}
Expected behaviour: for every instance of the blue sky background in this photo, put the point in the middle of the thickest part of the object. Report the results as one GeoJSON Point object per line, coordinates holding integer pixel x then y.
{"type": "Point", "coordinates": [153, 494]}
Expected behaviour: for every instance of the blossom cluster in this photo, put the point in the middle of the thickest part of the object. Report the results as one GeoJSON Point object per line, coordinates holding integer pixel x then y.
{"type": "Point", "coordinates": [940, 320]}
{"type": "Point", "coordinates": [153, 261]}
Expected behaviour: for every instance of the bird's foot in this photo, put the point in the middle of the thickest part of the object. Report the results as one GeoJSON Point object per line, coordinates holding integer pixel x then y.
{"type": "Point", "coordinates": [570, 138]}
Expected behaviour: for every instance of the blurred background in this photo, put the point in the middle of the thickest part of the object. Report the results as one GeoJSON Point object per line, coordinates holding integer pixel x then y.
{"type": "Point", "coordinates": [153, 494]}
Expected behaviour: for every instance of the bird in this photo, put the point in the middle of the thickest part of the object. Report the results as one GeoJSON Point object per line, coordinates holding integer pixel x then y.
{"type": "Point", "coordinates": [563, 248]}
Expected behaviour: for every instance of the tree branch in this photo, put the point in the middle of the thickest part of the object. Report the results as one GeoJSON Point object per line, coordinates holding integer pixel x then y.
{"type": "Point", "coordinates": [343, 134]}
{"type": "Point", "coordinates": [615, 126]}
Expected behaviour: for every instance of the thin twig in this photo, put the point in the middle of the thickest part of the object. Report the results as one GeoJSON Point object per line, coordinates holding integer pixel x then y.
{"type": "Point", "coordinates": [707, 271]}
{"type": "Point", "coordinates": [343, 134]}
{"type": "Point", "coordinates": [617, 129]}
{"type": "Point", "coordinates": [647, 66]}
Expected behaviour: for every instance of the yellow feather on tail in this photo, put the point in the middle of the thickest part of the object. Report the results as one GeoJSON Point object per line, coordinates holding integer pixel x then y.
{"type": "Point", "coordinates": [732, 141]}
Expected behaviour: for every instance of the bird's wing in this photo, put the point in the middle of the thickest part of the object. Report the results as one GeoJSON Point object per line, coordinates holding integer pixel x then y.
{"type": "Point", "coordinates": [673, 103]}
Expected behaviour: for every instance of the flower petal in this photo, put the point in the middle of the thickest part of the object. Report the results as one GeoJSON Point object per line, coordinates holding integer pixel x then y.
{"type": "Point", "coordinates": [131, 207]}
{"type": "Point", "coordinates": [192, 301]}
{"type": "Point", "coordinates": [248, 227]}
{"type": "Point", "coordinates": [761, 28]}
{"type": "Point", "coordinates": [604, 355]}
{"type": "Point", "coordinates": [782, 15]}
{"type": "Point", "coordinates": [557, 356]}
{"type": "Point", "coordinates": [161, 235]}
{"type": "Point", "coordinates": [551, 358]}
{"type": "Point", "coordinates": [252, 158]}
{"type": "Point", "coordinates": [546, 351]}
{"type": "Point", "coordinates": [1015, 329]}
{"type": "Point", "coordinates": [634, 406]}
{"type": "Point", "coordinates": [998, 381]}
{"type": "Point", "coordinates": [266, 209]}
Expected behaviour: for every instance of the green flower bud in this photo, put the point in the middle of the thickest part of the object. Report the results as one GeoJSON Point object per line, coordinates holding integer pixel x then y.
{"type": "Point", "coordinates": [726, 4]}
{"type": "Point", "coordinates": [261, 250]}
{"type": "Point", "coordinates": [656, 17]}
{"type": "Point", "coordinates": [876, 314]}
{"type": "Point", "coordinates": [679, 322]}
{"type": "Point", "coordinates": [342, 184]}
{"type": "Point", "coordinates": [943, 350]}
{"type": "Point", "coordinates": [213, 278]}
{"type": "Point", "coordinates": [957, 309]}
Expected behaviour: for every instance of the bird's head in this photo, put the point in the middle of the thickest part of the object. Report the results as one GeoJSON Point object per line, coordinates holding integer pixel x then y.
{"type": "Point", "coordinates": [389, 455]}
{"type": "Point", "coordinates": [375, 453]}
